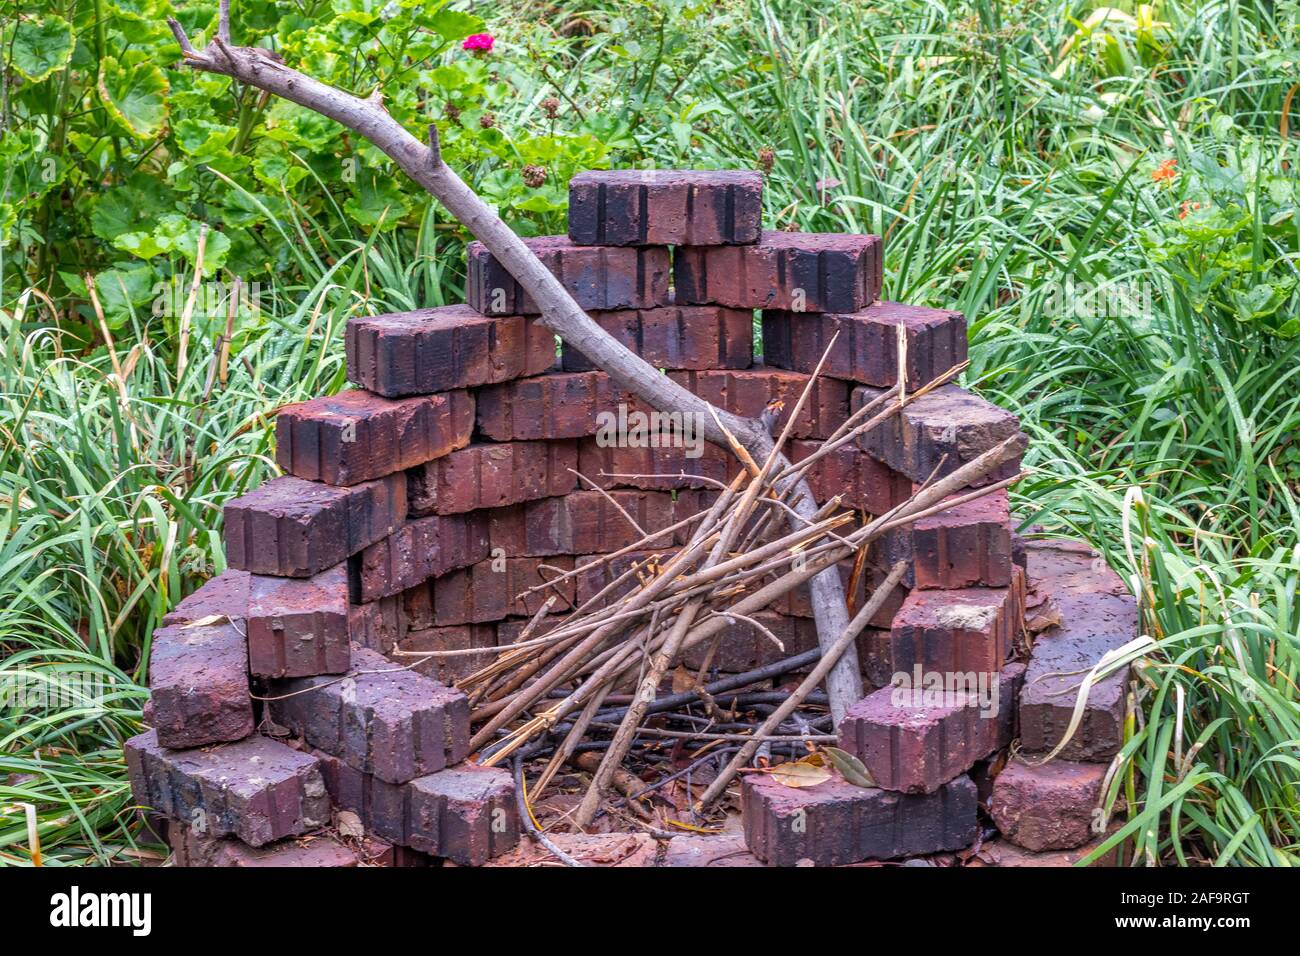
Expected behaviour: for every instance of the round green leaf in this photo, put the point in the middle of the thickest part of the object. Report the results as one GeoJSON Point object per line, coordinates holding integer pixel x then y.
{"type": "Point", "coordinates": [40, 47]}
{"type": "Point", "coordinates": [136, 95]}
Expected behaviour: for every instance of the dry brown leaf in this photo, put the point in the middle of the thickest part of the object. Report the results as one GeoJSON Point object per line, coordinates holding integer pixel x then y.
{"type": "Point", "coordinates": [800, 773]}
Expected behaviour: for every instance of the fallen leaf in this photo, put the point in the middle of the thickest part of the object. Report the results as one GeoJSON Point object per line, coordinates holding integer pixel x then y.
{"type": "Point", "coordinates": [349, 825]}
{"type": "Point", "coordinates": [800, 773]}
{"type": "Point", "coordinates": [851, 768]}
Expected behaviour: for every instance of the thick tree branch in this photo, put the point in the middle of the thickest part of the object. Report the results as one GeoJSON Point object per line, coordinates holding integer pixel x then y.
{"type": "Point", "coordinates": [263, 70]}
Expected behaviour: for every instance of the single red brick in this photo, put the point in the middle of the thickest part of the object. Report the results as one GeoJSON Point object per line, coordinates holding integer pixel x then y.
{"type": "Point", "coordinates": [938, 433]}
{"type": "Point", "coordinates": [421, 549]}
{"type": "Point", "coordinates": [449, 347]}
{"type": "Point", "coordinates": [318, 850]}
{"type": "Point", "coordinates": [836, 823]}
{"type": "Point", "coordinates": [677, 337]}
{"type": "Point", "coordinates": [1094, 620]}
{"type": "Point", "coordinates": [460, 637]}
{"type": "Point", "coordinates": [382, 719]}
{"type": "Point", "coordinates": [466, 814]}
{"type": "Point", "coordinates": [377, 625]}
{"type": "Point", "coordinates": [496, 588]}
{"type": "Point", "coordinates": [861, 482]}
{"type": "Point", "coordinates": [1048, 807]}
{"type": "Point", "coordinates": [597, 277]}
{"type": "Point", "coordinates": [964, 546]}
{"type": "Point", "coordinates": [918, 736]}
{"type": "Point", "coordinates": [510, 630]}
{"type": "Point", "coordinates": [198, 679]}
{"type": "Point", "coordinates": [742, 646]}
{"type": "Point", "coordinates": [357, 436]}
{"type": "Point", "coordinates": [796, 271]}
{"type": "Point", "coordinates": [256, 789]}
{"type": "Point", "coordinates": [492, 475]}
{"type": "Point", "coordinates": [290, 527]}
{"type": "Point", "coordinates": [665, 207]}
{"type": "Point", "coordinates": [957, 631]}
{"type": "Point", "coordinates": [866, 349]}
{"type": "Point", "coordinates": [599, 571]}
{"type": "Point", "coordinates": [581, 522]}
{"type": "Point", "coordinates": [225, 595]}
{"type": "Point", "coordinates": [565, 405]}
{"type": "Point", "coordinates": [747, 393]}
{"type": "Point", "coordinates": [299, 627]}
{"type": "Point", "coordinates": [660, 463]}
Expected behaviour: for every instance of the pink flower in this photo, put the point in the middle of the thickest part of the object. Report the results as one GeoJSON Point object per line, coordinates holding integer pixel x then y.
{"type": "Point", "coordinates": [478, 42]}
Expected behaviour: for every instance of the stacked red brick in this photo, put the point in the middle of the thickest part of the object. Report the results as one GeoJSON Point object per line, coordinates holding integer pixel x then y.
{"type": "Point", "coordinates": [418, 507]}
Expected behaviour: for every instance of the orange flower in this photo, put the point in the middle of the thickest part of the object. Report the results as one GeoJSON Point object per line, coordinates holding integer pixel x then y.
{"type": "Point", "coordinates": [1166, 172]}
{"type": "Point", "coordinates": [1187, 206]}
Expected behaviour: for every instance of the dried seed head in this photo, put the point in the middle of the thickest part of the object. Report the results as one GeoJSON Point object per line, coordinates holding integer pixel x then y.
{"type": "Point", "coordinates": [487, 120]}
{"type": "Point", "coordinates": [452, 112]}
{"type": "Point", "coordinates": [534, 176]}
{"type": "Point", "coordinates": [767, 158]}
{"type": "Point", "coordinates": [551, 107]}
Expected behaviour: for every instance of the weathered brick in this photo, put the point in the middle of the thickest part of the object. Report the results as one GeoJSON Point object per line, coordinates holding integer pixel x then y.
{"type": "Point", "coordinates": [466, 814]}
{"type": "Point", "coordinates": [225, 595]}
{"type": "Point", "coordinates": [619, 464]}
{"type": "Point", "coordinates": [563, 405]}
{"type": "Point", "coordinates": [198, 679]}
{"type": "Point", "coordinates": [917, 737]}
{"type": "Point", "coordinates": [949, 425]}
{"type": "Point", "coordinates": [460, 637]}
{"type": "Point", "coordinates": [956, 631]}
{"type": "Point", "coordinates": [964, 546]}
{"type": "Point", "coordinates": [290, 527]}
{"type": "Point", "coordinates": [866, 349]}
{"type": "Point", "coordinates": [357, 436]}
{"type": "Point", "coordinates": [496, 588]}
{"type": "Point", "coordinates": [742, 646]}
{"type": "Point", "coordinates": [600, 278]}
{"type": "Point", "coordinates": [796, 271]}
{"type": "Point", "coordinates": [581, 522]}
{"type": "Point", "coordinates": [256, 789]}
{"type": "Point", "coordinates": [299, 627]}
{"type": "Point", "coordinates": [420, 549]}
{"type": "Point", "coordinates": [449, 347]}
{"type": "Point", "coordinates": [747, 393]}
{"type": "Point", "coordinates": [677, 337]}
{"type": "Point", "coordinates": [1095, 619]}
{"type": "Point", "coordinates": [1048, 807]}
{"type": "Point", "coordinates": [861, 482]}
{"type": "Point", "coordinates": [492, 475]}
{"type": "Point", "coordinates": [382, 719]}
{"type": "Point", "coordinates": [377, 625]}
{"type": "Point", "coordinates": [665, 207]}
{"type": "Point", "coordinates": [319, 850]}
{"type": "Point", "coordinates": [836, 823]}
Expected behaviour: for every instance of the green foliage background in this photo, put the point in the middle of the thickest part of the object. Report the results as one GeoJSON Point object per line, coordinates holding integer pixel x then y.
{"type": "Point", "coordinates": [1109, 193]}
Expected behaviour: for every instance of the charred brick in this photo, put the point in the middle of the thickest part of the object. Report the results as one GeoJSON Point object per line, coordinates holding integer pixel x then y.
{"type": "Point", "coordinates": [670, 207]}
{"type": "Point", "coordinates": [256, 789]}
{"type": "Point", "coordinates": [445, 348]}
{"type": "Point", "coordinates": [867, 346]}
{"type": "Point", "coordinates": [599, 278]}
{"type": "Point", "coordinates": [493, 475]}
{"type": "Point", "coordinates": [795, 271]}
{"type": "Point", "coordinates": [382, 719]}
{"type": "Point", "coordinates": [357, 436]}
{"type": "Point", "coordinates": [290, 527]}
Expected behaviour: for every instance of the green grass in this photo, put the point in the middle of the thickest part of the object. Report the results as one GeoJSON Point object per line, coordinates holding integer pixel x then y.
{"type": "Point", "coordinates": [1000, 173]}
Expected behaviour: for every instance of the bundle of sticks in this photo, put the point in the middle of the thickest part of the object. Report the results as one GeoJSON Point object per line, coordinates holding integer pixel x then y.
{"type": "Point", "coordinates": [747, 550]}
